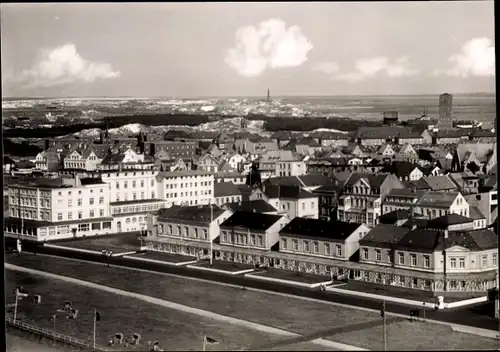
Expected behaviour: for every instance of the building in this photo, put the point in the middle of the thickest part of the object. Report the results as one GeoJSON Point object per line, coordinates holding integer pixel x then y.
{"type": "Point", "coordinates": [415, 258]}
{"type": "Point", "coordinates": [48, 161]}
{"type": "Point", "coordinates": [175, 149]}
{"type": "Point", "coordinates": [283, 163]}
{"type": "Point", "coordinates": [185, 230]}
{"type": "Point", "coordinates": [404, 171]}
{"type": "Point", "coordinates": [304, 146]}
{"type": "Point", "coordinates": [192, 187]}
{"type": "Point", "coordinates": [445, 111]}
{"type": "Point", "coordinates": [320, 238]}
{"type": "Point", "coordinates": [87, 159]}
{"type": "Point", "coordinates": [362, 197]}
{"type": "Point", "coordinates": [226, 192]}
{"type": "Point", "coordinates": [252, 230]}
{"type": "Point", "coordinates": [290, 200]}
{"type": "Point", "coordinates": [252, 206]}
{"type": "Point", "coordinates": [330, 139]}
{"type": "Point", "coordinates": [486, 202]}
{"type": "Point", "coordinates": [433, 204]}
{"type": "Point", "coordinates": [233, 177]}
{"type": "Point", "coordinates": [328, 200]}
{"type": "Point", "coordinates": [46, 210]}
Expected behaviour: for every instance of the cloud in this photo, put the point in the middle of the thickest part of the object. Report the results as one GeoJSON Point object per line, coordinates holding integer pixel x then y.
{"type": "Point", "coordinates": [328, 67]}
{"type": "Point", "coordinates": [371, 67]}
{"type": "Point", "coordinates": [477, 58]}
{"type": "Point", "coordinates": [270, 45]}
{"type": "Point", "coordinates": [64, 65]}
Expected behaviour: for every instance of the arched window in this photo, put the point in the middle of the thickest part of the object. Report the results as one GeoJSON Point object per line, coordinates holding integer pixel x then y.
{"type": "Point", "coordinates": [127, 221]}
{"type": "Point", "coordinates": [134, 220]}
{"type": "Point", "coordinates": [140, 219]}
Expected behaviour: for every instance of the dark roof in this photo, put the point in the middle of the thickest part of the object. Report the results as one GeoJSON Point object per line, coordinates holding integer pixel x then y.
{"type": "Point", "coordinates": [444, 221]}
{"type": "Point", "coordinates": [475, 213]}
{"type": "Point", "coordinates": [196, 213]}
{"type": "Point", "coordinates": [292, 192]}
{"type": "Point", "coordinates": [337, 230]}
{"type": "Point", "coordinates": [393, 216]}
{"type": "Point", "coordinates": [400, 169]}
{"type": "Point", "coordinates": [137, 201]}
{"type": "Point", "coordinates": [224, 189]}
{"type": "Point", "coordinates": [8, 160]}
{"type": "Point", "coordinates": [91, 181]}
{"type": "Point", "coordinates": [254, 206]}
{"type": "Point", "coordinates": [251, 220]}
{"type": "Point", "coordinates": [384, 235]}
{"type": "Point", "coordinates": [420, 184]}
{"type": "Point", "coordinates": [374, 180]}
{"type": "Point", "coordinates": [300, 181]}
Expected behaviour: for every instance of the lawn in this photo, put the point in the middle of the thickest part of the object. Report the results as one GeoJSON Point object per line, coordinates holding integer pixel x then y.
{"type": "Point", "coordinates": [288, 313]}
{"type": "Point", "coordinates": [424, 296]}
{"type": "Point", "coordinates": [163, 257]}
{"type": "Point", "coordinates": [292, 276]}
{"type": "Point", "coordinates": [18, 341]}
{"type": "Point", "coordinates": [117, 243]}
{"type": "Point", "coordinates": [226, 266]}
{"type": "Point", "coordinates": [175, 330]}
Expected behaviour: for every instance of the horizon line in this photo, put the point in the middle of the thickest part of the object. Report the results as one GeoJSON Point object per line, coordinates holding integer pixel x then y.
{"type": "Point", "coordinates": [243, 96]}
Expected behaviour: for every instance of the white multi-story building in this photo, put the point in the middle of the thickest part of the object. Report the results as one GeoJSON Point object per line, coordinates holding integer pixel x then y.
{"type": "Point", "coordinates": [191, 187]}
{"type": "Point", "coordinates": [84, 160]}
{"type": "Point", "coordinates": [55, 209]}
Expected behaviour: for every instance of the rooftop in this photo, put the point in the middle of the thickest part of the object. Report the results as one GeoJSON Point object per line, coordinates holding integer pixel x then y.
{"type": "Point", "coordinates": [224, 189]}
{"type": "Point", "coordinates": [337, 230]}
{"type": "Point", "coordinates": [251, 220]}
{"type": "Point", "coordinates": [197, 213]}
{"type": "Point", "coordinates": [254, 206]}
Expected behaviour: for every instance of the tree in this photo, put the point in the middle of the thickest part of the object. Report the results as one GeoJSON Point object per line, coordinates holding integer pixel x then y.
{"type": "Point", "coordinates": [473, 167]}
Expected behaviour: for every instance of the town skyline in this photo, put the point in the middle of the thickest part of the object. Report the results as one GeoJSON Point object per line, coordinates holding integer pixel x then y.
{"type": "Point", "coordinates": [260, 46]}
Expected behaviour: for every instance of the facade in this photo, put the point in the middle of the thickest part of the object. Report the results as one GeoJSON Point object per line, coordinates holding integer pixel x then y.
{"type": "Point", "coordinates": [320, 238]}
{"type": "Point", "coordinates": [289, 200]}
{"type": "Point", "coordinates": [175, 149]}
{"type": "Point", "coordinates": [192, 187]}
{"type": "Point", "coordinates": [361, 201]}
{"type": "Point", "coordinates": [84, 160]}
{"type": "Point", "coordinates": [207, 163]}
{"type": "Point", "coordinates": [185, 230]}
{"type": "Point", "coordinates": [131, 216]}
{"type": "Point", "coordinates": [226, 192]}
{"type": "Point", "coordinates": [445, 111]}
{"type": "Point", "coordinates": [252, 230]}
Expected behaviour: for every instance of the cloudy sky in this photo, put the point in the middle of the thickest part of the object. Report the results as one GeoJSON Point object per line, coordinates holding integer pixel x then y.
{"type": "Point", "coordinates": [241, 49]}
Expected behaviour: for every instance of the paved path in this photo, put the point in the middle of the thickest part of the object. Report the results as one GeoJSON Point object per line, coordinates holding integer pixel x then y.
{"type": "Point", "coordinates": [186, 309]}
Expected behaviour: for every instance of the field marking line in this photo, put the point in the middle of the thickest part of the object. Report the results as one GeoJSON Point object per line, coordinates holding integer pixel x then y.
{"type": "Point", "coordinates": [455, 327]}
{"type": "Point", "coordinates": [178, 307]}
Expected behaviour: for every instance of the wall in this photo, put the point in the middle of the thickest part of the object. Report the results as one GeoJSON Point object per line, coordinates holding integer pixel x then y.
{"type": "Point", "coordinates": [145, 181]}
{"type": "Point", "coordinates": [322, 245]}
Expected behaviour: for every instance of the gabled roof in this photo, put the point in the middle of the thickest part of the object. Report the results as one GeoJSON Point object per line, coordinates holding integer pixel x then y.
{"type": "Point", "coordinates": [300, 181]}
{"type": "Point", "coordinates": [437, 199]}
{"type": "Point", "coordinates": [375, 181]}
{"type": "Point", "coordinates": [481, 150]}
{"type": "Point", "coordinates": [444, 221]}
{"type": "Point", "coordinates": [253, 206]}
{"type": "Point", "coordinates": [251, 220]}
{"type": "Point", "coordinates": [394, 216]}
{"type": "Point", "coordinates": [225, 189]}
{"type": "Point", "coordinates": [286, 192]}
{"type": "Point", "coordinates": [475, 213]}
{"type": "Point", "coordinates": [420, 184]}
{"type": "Point", "coordinates": [440, 183]}
{"type": "Point", "coordinates": [196, 213]}
{"type": "Point", "coordinates": [337, 230]}
{"type": "Point", "coordinates": [384, 235]}
{"type": "Point", "coordinates": [400, 168]}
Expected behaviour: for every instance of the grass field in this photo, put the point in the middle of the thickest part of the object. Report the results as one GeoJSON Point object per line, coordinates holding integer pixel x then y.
{"type": "Point", "coordinates": [292, 276]}
{"type": "Point", "coordinates": [165, 257]}
{"type": "Point", "coordinates": [175, 330]}
{"type": "Point", "coordinates": [226, 266]}
{"type": "Point", "coordinates": [292, 314]}
{"type": "Point", "coordinates": [116, 243]}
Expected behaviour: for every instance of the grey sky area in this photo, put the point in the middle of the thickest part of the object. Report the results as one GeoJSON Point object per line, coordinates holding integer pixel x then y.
{"type": "Point", "coordinates": [241, 49]}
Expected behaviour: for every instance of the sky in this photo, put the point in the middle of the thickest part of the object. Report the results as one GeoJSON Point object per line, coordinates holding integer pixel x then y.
{"type": "Point", "coordinates": [243, 49]}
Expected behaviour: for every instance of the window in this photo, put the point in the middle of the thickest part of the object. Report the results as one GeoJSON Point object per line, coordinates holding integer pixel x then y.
{"type": "Point", "coordinates": [205, 234]}
{"type": "Point", "coordinates": [125, 184]}
{"type": "Point", "coordinates": [101, 200]}
{"type": "Point", "coordinates": [70, 216]}
{"type": "Point", "coordinates": [378, 254]}
{"type": "Point", "coordinates": [195, 233]}
{"type": "Point", "coordinates": [401, 258]}
{"type": "Point", "coordinates": [260, 241]}
{"type": "Point", "coordinates": [427, 261]}
{"type": "Point", "coordinates": [80, 215]}
{"type": "Point", "coordinates": [461, 263]}
{"type": "Point", "coordinates": [91, 213]}
{"type": "Point", "coordinates": [91, 201]}
{"type": "Point", "coordinates": [178, 230]}
{"type": "Point", "coordinates": [365, 253]}
{"type": "Point", "coordinates": [315, 247]}
{"type": "Point", "coordinates": [252, 240]}
{"type": "Point", "coordinates": [70, 203]}
{"type": "Point", "coordinates": [339, 250]}
{"type": "Point", "coordinates": [453, 263]}
{"type": "Point", "coordinates": [327, 248]}
{"type": "Point", "coordinates": [134, 184]}
{"type": "Point", "coordinates": [295, 244]}
{"type": "Point", "coordinates": [283, 243]}
{"type": "Point", "coordinates": [306, 246]}
{"type": "Point", "coordinates": [303, 206]}
{"type": "Point", "coordinates": [224, 236]}
{"type": "Point", "coordinates": [83, 227]}
{"type": "Point", "coordinates": [59, 216]}
{"type": "Point", "coordinates": [142, 183]}
{"type": "Point", "coordinates": [413, 259]}
{"type": "Point", "coordinates": [485, 260]}
{"type": "Point", "coordinates": [80, 202]}
{"type": "Point", "coordinates": [494, 259]}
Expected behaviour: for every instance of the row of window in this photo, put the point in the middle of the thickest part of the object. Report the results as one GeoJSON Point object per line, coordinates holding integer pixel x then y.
{"type": "Point", "coordinates": [79, 202]}
{"type": "Point", "coordinates": [92, 214]}
{"type": "Point", "coordinates": [134, 184]}
{"type": "Point", "coordinates": [188, 185]}
{"type": "Point", "coordinates": [225, 200]}
{"type": "Point", "coordinates": [190, 194]}
{"type": "Point", "coordinates": [134, 196]}
{"type": "Point", "coordinates": [44, 203]}
{"type": "Point", "coordinates": [133, 173]}
{"type": "Point", "coordinates": [243, 239]}
{"type": "Point", "coordinates": [195, 232]}
{"type": "Point", "coordinates": [132, 220]}
{"type": "Point", "coordinates": [315, 247]}
{"type": "Point", "coordinates": [64, 229]}
{"type": "Point", "coordinates": [61, 193]}
{"type": "Point", "coordinates": [137, 208]}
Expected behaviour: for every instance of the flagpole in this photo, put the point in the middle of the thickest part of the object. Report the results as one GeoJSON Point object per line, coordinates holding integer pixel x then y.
{"type": "Point", "coordinates": [385, 328]}
{"type": "Point", "coordinates": [210, 233]}
{"type": "Point", "coordinates": [204, 341]}
{"type": "Point", "coordinates": [15, 307]}
{"type": "Point", "coordinates": [95, 312]}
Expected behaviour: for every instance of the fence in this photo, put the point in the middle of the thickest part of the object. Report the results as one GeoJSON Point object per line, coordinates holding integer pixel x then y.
{"type": "Point", "coordinates": [55, 336]}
